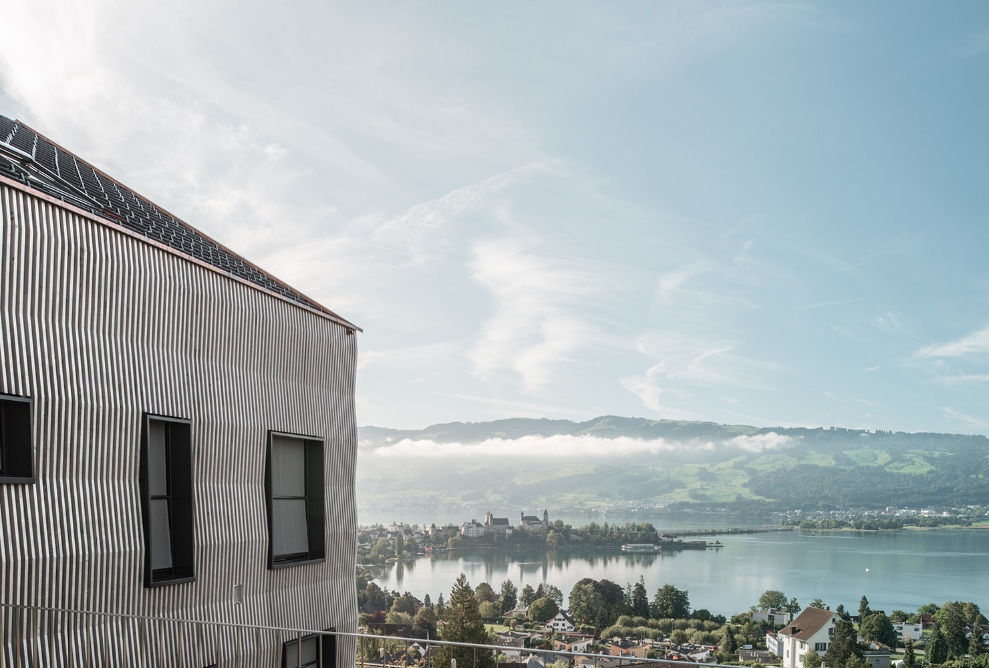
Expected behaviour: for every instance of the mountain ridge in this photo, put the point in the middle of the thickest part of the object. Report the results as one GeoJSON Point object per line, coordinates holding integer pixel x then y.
{"type": "Point", "coordinates": [615, 461]}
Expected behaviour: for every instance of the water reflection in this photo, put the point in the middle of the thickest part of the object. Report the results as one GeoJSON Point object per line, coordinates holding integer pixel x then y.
{"type": "Point", "coordinates": [906, 569]}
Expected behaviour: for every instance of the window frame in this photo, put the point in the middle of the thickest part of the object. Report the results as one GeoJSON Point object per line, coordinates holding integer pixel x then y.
{"type": "Point", "coordinates": [16, 440]}
{"type": "Point", "coordinates": [315, 484]}
{"type": "Point", "coordinates": [181, 504]}
{"type": "Point", "coordinates": [325, 657]}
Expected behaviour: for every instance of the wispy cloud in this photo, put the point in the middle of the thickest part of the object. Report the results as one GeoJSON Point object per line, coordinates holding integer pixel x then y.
{"type": "Point", "coordinates": [650, 389]}
{"type": "Point", "coordinates": [964, 360]}
{"type": "Point", "coordinates": [418, 231]}
{"type": "Point", "coordinates": [535, 325]}
{"type": "Point", "coordinates": [968, 421]}
{"type": "Point", "coordinates": [565, 446]}
{"type": "Point", "coordinates": [703, 361]}
{"type": "Point", "coordinates": [691, 362]}
{"type": "Point", "coordinates": [975, 344]}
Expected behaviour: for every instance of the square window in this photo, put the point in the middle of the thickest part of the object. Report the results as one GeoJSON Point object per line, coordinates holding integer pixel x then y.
{"type": "Point", "coordinates": [313, 652]}
{"type": "Point", "coordinates": [166, 501]}
{"type": "Point", "coordinates": [16, 452]}
{"type": "Point", "coordinates": [296, 516]}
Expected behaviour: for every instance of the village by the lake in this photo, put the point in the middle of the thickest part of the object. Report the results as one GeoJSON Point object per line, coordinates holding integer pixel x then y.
{"type": "Point", "coordinates": [608, 615]}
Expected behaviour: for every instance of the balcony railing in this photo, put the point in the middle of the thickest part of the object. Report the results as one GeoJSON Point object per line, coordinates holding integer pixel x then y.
{"type": "Point", "coordinates": [32, 636]}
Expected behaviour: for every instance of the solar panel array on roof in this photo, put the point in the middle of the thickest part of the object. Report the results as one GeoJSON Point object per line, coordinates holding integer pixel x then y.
{"type": "Point", "coordinates": [29, 158]}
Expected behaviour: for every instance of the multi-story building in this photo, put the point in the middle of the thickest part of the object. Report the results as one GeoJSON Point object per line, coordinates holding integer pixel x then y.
{"type": "Point", "coordinates": [177, 435]}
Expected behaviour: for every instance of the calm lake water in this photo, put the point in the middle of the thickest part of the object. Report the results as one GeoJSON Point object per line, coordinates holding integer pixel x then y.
{"type": "Point", "coordinates": [895, 570]}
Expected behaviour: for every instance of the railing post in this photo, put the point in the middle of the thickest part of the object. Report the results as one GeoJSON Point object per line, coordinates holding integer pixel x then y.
{"type": "Point", "coordinates": [88, 631]}
{"type": "Point", "coordinates": [180, 648]}
{"type": "Point", "coordinates": [34, 644]}
{"type": "Point", "coordinates": [18, 636]}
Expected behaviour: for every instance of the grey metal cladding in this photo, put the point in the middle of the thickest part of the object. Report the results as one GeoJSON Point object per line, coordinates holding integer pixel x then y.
{"type": "Point", "coordinates": [99, 327]}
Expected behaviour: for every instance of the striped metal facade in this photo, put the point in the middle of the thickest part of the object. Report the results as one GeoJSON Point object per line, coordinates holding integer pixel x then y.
{"type": "Point", "coordinates": [98, 327]}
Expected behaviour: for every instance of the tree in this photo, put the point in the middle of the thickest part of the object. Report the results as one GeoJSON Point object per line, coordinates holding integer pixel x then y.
{"type": "Point", "coordinates": [397, 617]}
{"type": "Point", "coordinates": [843, 647]}
{"type": "Point", "coordinates": [463, 623]}
{"type": "Point", "coordinates": [440, 607]}
{"type": "Point", "coordinates": [553, 592]}
{"type": "Point", "coordinates": [951, 620]}
{"type": "Point", "coordinates": [864, 607]}
{"type": "Point", "coordinates": [975, 646]}
{"type": "Point", "coordinates": [817, 603]}
{"type": "Point", "coordinates": [937, 647]}
{"type": "Point", "coordinates": [728, 646]}
{"type": "Point", "coordinates": [878, 627]}
{"type": "Point", "coordinates": [671, 602]}
{"type": "Point", "coordinates": [374, 596]}
{"type": "Point", "coordinates": [509, 596]}
{"type": "Point", "coordinates": [527, 596]}
{"type": "Point", "coordinates": [972, 613]}
{"type": "Point", "coordinates": [793, 607]}
{"type": "Point", "coordinates": [399, 545]}
{"type": "Point", "coordinates": [772, 599]}
{"type": "Point", "coordinates": [812, 659]}
{"type": "Point", "coordinates": [405, 603]}
{"type": "Point", "coordinates": [484, 593]}
{"type": "Point", "coordinates": [543, 609]}
{"type": "Point", "coordinates": [587, 605]}
{"type": "Point", "coordinates": [640, 599]}
{"type": "Point", "coordinates": [425, 620]}
{"type": "Point", "coordinates": [678, 637]}
{"type": "Point", "coordinates": [489, 611]}
{"type": "Point", "coordinates": [909, 658]}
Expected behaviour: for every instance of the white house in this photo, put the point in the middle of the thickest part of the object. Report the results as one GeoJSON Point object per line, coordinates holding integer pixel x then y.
{"type": "Point", "coordinates": [561, 623]}
{"type": "Point", "coordinates": [773, 616]}
{"type": "Point", "coordinates": [811, 630]}
{"type": "Point", "coordinates": [907, 631]}
{"type": "Point", "coordinates": [773, 643]}
{"type": "Point", "coordinates": [472, 529]}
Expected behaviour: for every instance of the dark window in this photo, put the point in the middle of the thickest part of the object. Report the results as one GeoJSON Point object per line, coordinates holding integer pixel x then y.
{"type": "Point", "coordinates": [314, 651]}
{"type": "Point", "coordinates": [16, 452]}
{"type": "Point", "coordinates": [296, 517]}
{"type": "Point", "coordinates": [166, 501]}
{"type": "Point", "coordinates": [820, 647]}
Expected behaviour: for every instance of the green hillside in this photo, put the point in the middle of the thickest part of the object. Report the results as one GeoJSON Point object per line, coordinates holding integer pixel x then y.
{"type": "Point", "coordinates": [638, 463]}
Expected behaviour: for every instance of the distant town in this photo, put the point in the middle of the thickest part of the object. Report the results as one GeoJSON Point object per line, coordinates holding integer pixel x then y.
{"type": "Point", "coordinates": [378, 544]}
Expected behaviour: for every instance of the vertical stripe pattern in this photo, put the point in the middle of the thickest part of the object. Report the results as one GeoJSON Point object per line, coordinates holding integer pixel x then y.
{"type": "Point", "coordinates": [98, 327]}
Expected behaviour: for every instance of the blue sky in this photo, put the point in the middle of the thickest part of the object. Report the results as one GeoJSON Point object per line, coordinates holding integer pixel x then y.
{"type": "Point", "coordinates": [761, 213]}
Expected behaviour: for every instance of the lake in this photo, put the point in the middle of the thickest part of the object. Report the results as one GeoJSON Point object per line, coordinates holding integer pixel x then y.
{"type": "Point", "coordinates": [895, 570]}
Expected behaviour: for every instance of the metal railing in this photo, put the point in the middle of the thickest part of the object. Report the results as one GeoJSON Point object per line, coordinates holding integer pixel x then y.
{"type": "Point", "coordinates": [34, 636]}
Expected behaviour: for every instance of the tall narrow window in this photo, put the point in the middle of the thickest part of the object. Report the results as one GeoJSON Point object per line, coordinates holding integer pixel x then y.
{"type": "Point", "coordinates": [166, 501]}
{"type": "Point", "coordinates": [296, 517]}
{"type": "Point", "coordinates": [16, 452]}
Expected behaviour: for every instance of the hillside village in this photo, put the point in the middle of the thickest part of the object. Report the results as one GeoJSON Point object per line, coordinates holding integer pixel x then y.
{"type": "Point", "coordinates": [531, 629]}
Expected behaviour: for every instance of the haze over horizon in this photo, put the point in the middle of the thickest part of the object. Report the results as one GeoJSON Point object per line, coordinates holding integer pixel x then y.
{"type": "Point", "coordinates": [744, 212]}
